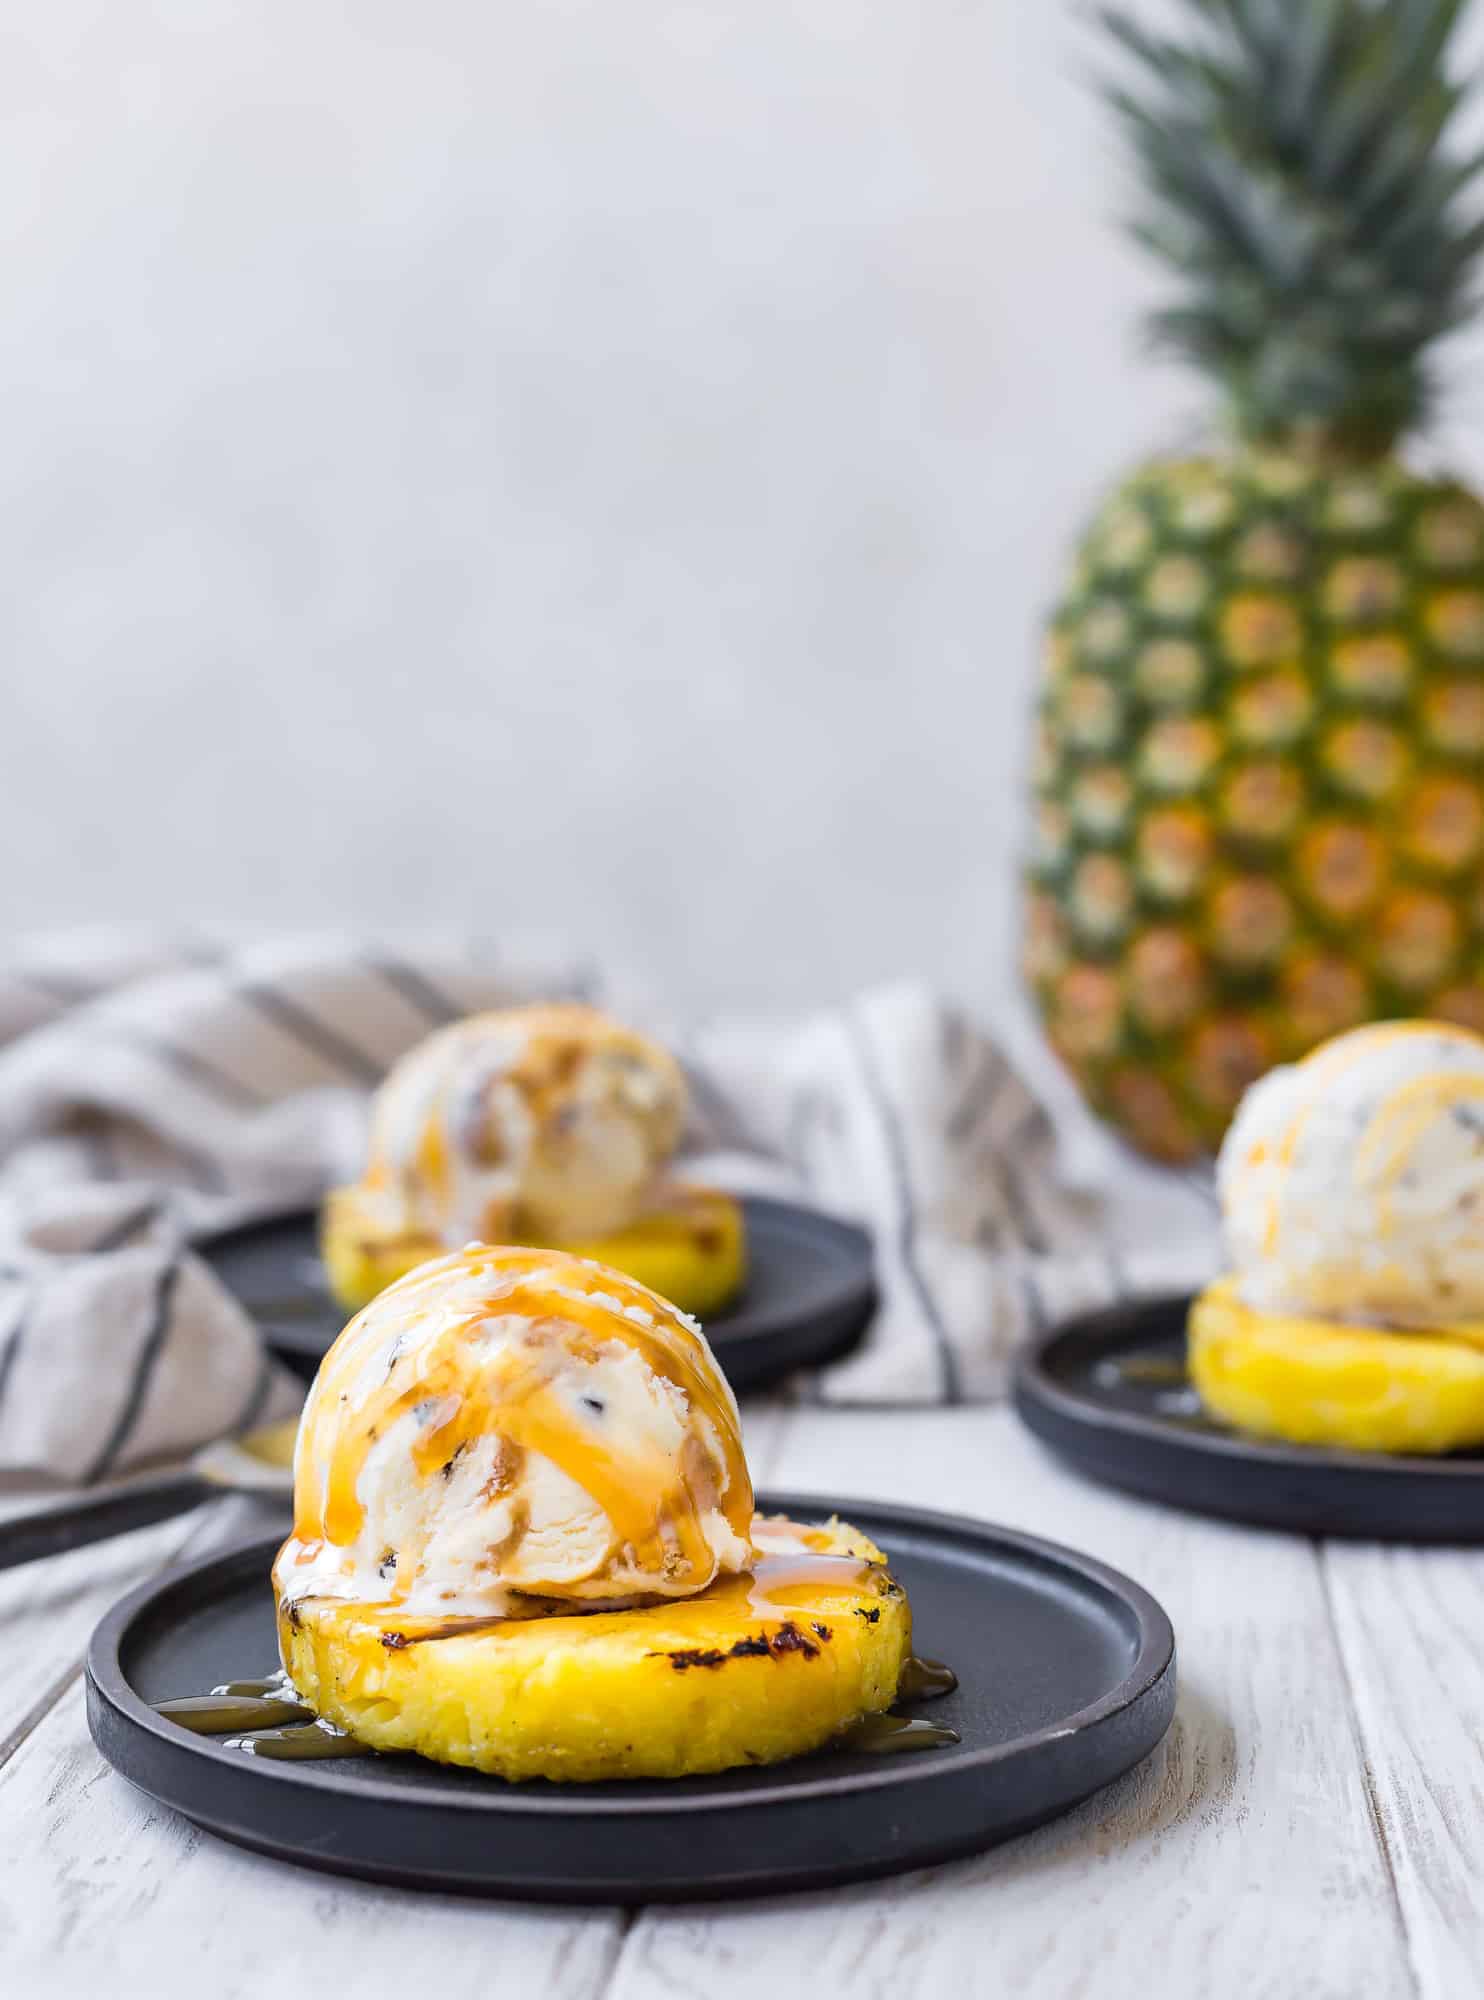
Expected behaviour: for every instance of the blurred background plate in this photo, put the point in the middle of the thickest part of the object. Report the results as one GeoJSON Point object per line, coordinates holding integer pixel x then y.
{"type": "Point", "coordinates": [1108, 1392]}
{"type": "Point", "coordinates": [809, 1295]}
{"type": "Point", "coordinates": [1067, 1679]}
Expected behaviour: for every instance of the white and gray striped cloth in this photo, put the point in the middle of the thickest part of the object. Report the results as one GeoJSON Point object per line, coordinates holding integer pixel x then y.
{"type": "Point", "coordinates": [153, 1091]}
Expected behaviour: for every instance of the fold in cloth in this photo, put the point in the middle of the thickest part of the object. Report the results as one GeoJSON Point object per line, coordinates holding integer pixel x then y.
{"type": "Point", "coordinates": [152, 1093]}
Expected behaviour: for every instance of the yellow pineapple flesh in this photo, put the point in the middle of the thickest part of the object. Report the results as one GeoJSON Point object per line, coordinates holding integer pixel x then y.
{"type": "Point", "coordinates": [1322, 1382]}
{"type": "Point", "coordinates": [752, 1670]}
{"type": "Point", "coordinates": [689, 1245]}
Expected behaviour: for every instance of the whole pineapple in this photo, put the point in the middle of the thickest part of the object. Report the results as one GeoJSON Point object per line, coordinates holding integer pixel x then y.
{"type": "Point", "coordinates": [1260, 768]}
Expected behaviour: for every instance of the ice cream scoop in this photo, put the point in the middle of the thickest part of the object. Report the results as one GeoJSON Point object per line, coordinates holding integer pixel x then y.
{"type": "Point", "coordinates": [536, 1124]}
{"type": "Point", "coordinates": [1352, 1183]}
{"type": "Point", "coordinates": [505, 1430]}
{"type": "Point", "coordinates": [550, 1125]}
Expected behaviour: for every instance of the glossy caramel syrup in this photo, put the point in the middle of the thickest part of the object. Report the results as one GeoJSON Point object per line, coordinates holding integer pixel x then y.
{"type": "Point", "coordinates": [656, 1502]}
{"type": "Point", "coordinates": [310, 1739]}
{"type": "Point", "coordinates": [799, 1585]}
{"type": "Point", "coordinates": [1162, 1385]}
{"type": "Point", "coordinates": [883, 1735]}
{"type": "Point", "coordinates": [1158, 1371]}
{"type": "Point", "coordinates": [263, 1716]}
{"type": "Point", "coordinates": [287, 1730]}
{"type": "Point", "coordinates": [232, 1714]}
{"type": "Point", "coordinates": [925, 1680]}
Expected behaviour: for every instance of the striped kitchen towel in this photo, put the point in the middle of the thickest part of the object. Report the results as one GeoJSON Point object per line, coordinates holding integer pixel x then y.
{"type": "Point", "coordinates": [151, 1092]}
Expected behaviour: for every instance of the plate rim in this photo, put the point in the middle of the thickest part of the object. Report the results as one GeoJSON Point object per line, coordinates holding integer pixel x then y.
{"type": "Point", "coordinates": [1153, 1666]}
{"type": "Point", "coordinates": [1033, 1383]}
{"type": "Point", "coordinates": [860, 1294]}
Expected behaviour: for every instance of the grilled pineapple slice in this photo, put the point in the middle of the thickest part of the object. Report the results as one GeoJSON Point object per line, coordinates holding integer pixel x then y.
{"type": "Point", "coordinates": [1318, 1382]}
{"type": "Point", "coordinates": [751, 1671]}
{"type": "Point", "coordinates": [360, 1254]}
{"type": "Point", "coordinates": [689, 1247]}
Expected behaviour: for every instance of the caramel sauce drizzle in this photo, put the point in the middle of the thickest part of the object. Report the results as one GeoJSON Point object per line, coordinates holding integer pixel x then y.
{"type": "Point", "coordinates": [655, 1503]}
{"type": "Point", "coordinates": [879, 1735]}
{"type": "Point", "coordinates": [1402, 1119]}
{"type": "Point", "coordinates": [797, 1585]}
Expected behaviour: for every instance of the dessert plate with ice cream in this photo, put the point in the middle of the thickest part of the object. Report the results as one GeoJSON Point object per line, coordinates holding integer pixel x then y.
{"type": "Point", "coordinates": [532, 1631]}
{"type": "Point", "coordinates": [554, 1126]}
{"type": "Point", "coordinates": [1331, 1381]}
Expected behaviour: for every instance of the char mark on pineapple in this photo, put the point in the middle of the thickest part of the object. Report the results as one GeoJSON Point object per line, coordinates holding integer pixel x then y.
{"type": "Point", "coordinates": [756, 1646]}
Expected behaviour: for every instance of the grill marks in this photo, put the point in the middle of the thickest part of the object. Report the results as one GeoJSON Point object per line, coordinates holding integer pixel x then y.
{"type": "Point", "coordinates": [754, 1646]}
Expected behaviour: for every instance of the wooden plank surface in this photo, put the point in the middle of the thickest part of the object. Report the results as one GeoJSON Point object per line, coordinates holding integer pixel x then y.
{"type": "Point", "coordinates": [47, 1610]}
{"type": "Point", "coordinates": [112, 1892]}
{"type": "Point", "coordinates": [1411, 1623]}
{"type": "Point", "coordinates": [1313, 1826]}
{"type": "Point", "coordinates": [1240, 1860]}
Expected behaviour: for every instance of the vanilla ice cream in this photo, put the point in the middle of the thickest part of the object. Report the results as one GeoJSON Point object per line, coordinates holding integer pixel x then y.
{"type": "Point", "coordinates": [1352, 1183]}
{"type": "Point", "coordinates": [537, 1124]}
{"type": "Point", "coordinates": [509, 1426]}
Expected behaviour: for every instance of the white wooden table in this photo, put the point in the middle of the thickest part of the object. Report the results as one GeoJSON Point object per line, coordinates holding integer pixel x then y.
{"type": "Point", "coordinates": [1312, 1825]}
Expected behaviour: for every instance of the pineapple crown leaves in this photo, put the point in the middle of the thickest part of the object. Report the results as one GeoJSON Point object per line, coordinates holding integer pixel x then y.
{"type": "Point", "coordinates": [1297, 177]}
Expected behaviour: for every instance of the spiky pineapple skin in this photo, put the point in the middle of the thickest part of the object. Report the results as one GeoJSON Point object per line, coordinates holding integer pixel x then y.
{"type": "Point", "coordinates": [1259, 779]}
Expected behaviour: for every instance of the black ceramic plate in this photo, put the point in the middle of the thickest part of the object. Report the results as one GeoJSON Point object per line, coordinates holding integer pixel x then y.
{"type": "Point", "coordinates": [1107, 1391]}
{"type": "Point", "coordinates": [808, 1297]}
{"type": "Point", "coordinates": [1067, 1679]}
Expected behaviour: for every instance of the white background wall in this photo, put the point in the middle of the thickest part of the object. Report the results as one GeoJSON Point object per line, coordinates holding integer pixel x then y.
{"type": "Point", "coordinates": [570, 465]}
